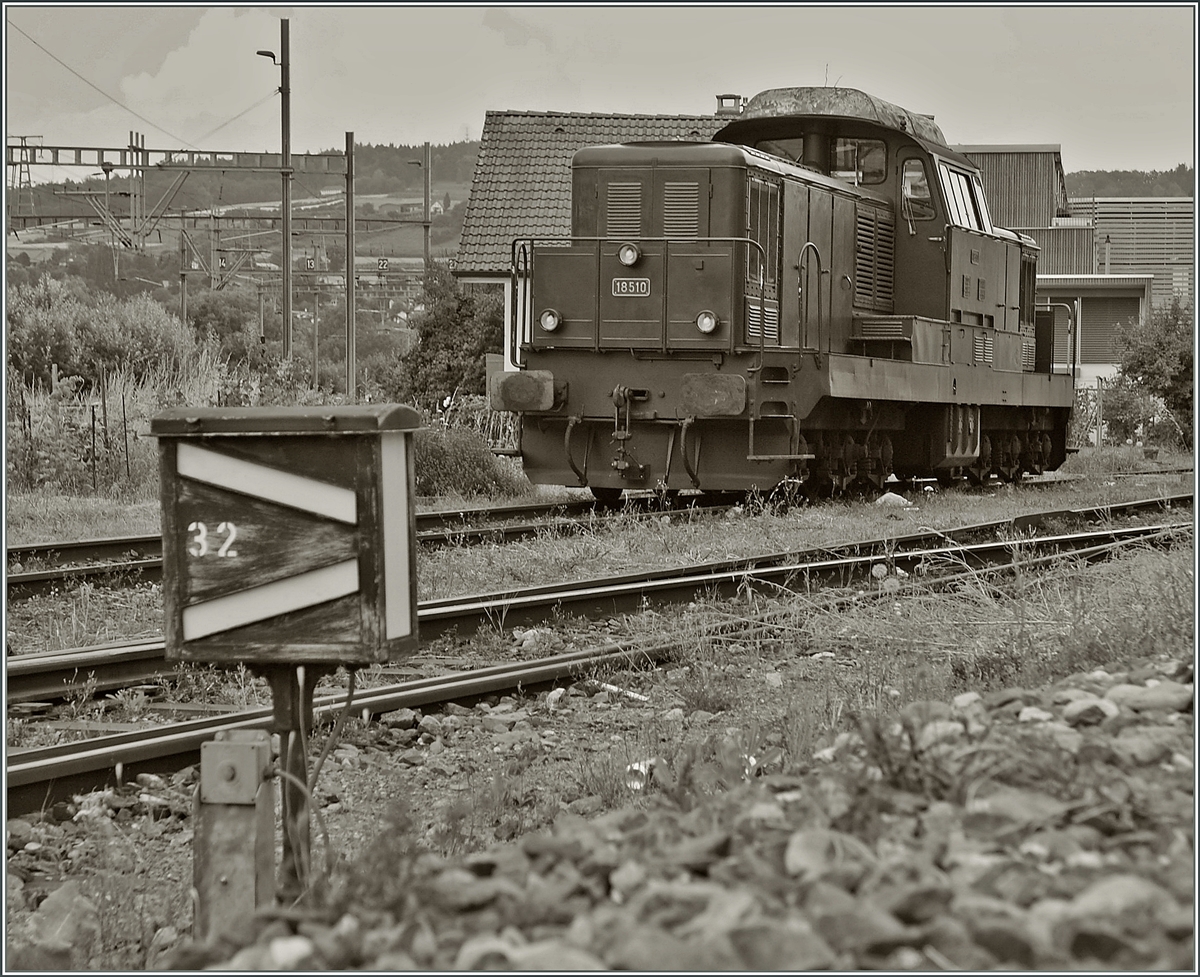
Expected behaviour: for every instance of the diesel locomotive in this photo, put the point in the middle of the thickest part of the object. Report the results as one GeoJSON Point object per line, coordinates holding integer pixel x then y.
{"type": "Point", "coordinates": [817, 297]}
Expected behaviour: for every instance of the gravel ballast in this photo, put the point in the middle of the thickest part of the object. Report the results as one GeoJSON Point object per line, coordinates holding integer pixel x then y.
{"type": "Point", "coordinates": [1047, 828]}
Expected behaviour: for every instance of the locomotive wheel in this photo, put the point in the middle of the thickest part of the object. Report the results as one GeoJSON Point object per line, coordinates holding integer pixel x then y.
{"type": "Point", "coordinates": [607, 498]}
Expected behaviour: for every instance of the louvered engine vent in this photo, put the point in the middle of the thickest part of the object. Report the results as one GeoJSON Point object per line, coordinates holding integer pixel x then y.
{"type": "Point", "coordinates": [681, 210]}
{"type": "Point", "coordinates": [754, 318]}
{"type": "Point", "coordinates": [875, 258]}
{"type": "Point", "coordinates": [624, 210]}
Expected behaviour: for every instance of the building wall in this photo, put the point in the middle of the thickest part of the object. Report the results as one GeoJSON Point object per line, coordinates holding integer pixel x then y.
{"type": "Point", "coordinates": [1103, 305]}
{"type": "Point", "coordinates": [1065, 250]}
{"type": "Point", "coordinates": [1021, 187]}
{"type": "Point", "coordinates": [1146, 236]}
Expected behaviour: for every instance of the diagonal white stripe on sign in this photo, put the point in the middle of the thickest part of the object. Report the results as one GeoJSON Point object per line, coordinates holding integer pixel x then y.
{"type": "Point", "coordinates": [270, 600]}
{"type": "Point", "coordinates": [269, 484]}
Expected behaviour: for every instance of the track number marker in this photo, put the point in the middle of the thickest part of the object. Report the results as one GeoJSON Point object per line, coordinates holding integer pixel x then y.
{"type": "Point", "coordinates": [200, 544]}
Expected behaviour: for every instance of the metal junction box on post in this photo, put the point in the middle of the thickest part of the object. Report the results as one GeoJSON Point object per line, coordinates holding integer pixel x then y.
{"type": "Point", "coordinates": [288, 534]}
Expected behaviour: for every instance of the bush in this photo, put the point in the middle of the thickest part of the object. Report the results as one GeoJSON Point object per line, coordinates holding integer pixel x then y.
{"type": "Point", "coordinates": [54, 324]}
{"type": "Point", "coordinates": [1157, 355]}
{"type": "Point", "coordinates": [1128, 409]}
{"type": "Point", "coordinates": [455, 460]}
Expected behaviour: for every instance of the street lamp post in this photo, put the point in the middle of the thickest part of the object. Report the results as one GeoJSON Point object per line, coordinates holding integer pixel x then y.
{"type": "Point", "coordinates": [285, 109]}
{"type": "Point", "coordinates": [426, 166]}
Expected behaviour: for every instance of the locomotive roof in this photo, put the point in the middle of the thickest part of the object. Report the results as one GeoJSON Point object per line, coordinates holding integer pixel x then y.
{"type": "Point", "coordinates": [843, 103]}
{"type": "Point", "coordinates": [707, 154]}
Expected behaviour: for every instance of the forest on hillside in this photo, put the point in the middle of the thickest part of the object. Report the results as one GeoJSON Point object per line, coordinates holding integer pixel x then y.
{"type": "Point", "coordinates": [378, 169]}
{"type": "Point", "coordinates": [1179, 182]}
{"type": "Point", "coordinates": [389, 169]}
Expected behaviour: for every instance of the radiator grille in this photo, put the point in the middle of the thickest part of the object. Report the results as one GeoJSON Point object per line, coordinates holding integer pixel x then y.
{"type": "Point", "coordinates": [875, 258]}
{"type": "Point", "coordinates": [624, 210]}
{"type": "Point", "coordinates": [891, 328]}
{"type": "Point", "coordinates": [1028, 346]}
{"type": "Point", "coordinates": [681, 210]}
{"type": "Point", "coordinates": [754, 318]}
{"type": "Point", "coordinates": [1028, 355]}
{"type": "Point", "coordinates": [984, 346]}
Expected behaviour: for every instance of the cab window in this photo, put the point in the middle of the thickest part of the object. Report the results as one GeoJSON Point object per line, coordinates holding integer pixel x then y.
{"type": "Point", "coordinates": [981, 203]}
{"type": "Point", "coordinates": [964, 199]}
{"type": "Point", "coordinates": [918, 202]}
{"type": "Point", "coordinates": [860, 161]}
{"type": "Point", "coordinates": [789, 149]}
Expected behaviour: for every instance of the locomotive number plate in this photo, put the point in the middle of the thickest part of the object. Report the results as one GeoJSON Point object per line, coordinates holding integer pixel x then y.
{"type": "Point", "coordinates": [639, 287]}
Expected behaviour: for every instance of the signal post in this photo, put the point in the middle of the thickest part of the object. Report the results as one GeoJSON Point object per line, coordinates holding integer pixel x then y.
{"type": "Point", "coordinates": [289, 547]}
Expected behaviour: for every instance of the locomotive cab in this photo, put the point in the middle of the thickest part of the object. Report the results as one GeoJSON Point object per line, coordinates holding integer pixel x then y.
{"type": "Point", "coordinates": [818, 295]}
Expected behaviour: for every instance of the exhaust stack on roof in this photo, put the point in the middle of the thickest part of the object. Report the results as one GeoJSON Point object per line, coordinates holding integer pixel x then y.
{"type": "Point", "coordinates": [730, 105]}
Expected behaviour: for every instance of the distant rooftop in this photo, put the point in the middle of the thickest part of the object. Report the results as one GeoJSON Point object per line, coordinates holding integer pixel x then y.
{"type": "Point", "coordinates": [522, 182]}
{"type": "Point", "coordinates": [1011, 148]}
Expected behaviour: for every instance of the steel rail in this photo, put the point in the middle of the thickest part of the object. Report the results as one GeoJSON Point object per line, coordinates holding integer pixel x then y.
{"type": "Point", "coordinates": [60, 674]}
{"type": "Point", "coordinates": [149, 570]}
{"type": "Point", "coordinates": [37, 778]}
{"type": "Point", "coordinates": [119, 547]}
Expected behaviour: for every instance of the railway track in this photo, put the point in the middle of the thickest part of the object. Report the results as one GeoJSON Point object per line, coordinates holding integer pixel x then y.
{"type": "Point", "coordinates": [139, 558]}
{"type": "Point", "coordinates": [50, 676]}
{"type": "Point", "coordinates": [38, 777]}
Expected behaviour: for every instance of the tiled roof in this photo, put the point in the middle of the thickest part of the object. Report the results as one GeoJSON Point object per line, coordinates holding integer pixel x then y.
{"type": "Point", "coordinates": [522, 183]}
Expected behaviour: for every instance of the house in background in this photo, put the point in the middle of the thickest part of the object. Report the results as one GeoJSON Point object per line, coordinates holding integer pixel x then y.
{"type": "Point", "coordinates": [1145, 236]}
{"type": "Point", "coordinates": [1103, 262]}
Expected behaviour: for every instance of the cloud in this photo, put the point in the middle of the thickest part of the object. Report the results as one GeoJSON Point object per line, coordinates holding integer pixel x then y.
{"type": "Point", "coordinates": [410, 73]}
{"type": "Point", "coordinates": [515, 31]}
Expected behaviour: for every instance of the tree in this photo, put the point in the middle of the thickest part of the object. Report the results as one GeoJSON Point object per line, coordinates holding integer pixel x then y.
{"type": "Point", "coordinates": [44, 322]}
{"type": "Point", "coordinates": [228, 317]}
{"type": "Point", "coordinates": [455, 332]}
{"type": "Point", "coordinates": [1156, 354]}
{"type": "Point", "coordinates": [336, 252]}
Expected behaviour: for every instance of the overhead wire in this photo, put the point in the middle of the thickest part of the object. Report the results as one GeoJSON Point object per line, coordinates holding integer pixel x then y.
{"type": "Point", "coordinates": [271, 94]}
{"type": "Point", "coordinates": [91, 84]}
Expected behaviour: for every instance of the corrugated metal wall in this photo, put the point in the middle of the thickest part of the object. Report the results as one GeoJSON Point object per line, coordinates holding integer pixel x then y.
{"type": "Point", "coordinates": [1098, 322]}
{"type": "Point", "coordinates": [1020, 187]}
{"type": "Point", "coordinates": [1065, 250]}
{"type": "Point", "coordinates": [1148, 236]}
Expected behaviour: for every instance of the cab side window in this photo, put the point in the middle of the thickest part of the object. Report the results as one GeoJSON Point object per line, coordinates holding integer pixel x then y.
{"type": "Point", "coordinates": [917, 200]}
{"type": "Point", "coordinates": [858, 161]}
{"type": "Point", "coordinates": [963, 197]}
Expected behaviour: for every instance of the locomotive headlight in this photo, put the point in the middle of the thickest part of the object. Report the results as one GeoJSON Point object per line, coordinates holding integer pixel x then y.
{"type": "Point", "coordinates": [550, 320]}
{"type": "Point", "coordinates": [706, 321]}
{"type": "Point", "coordinates": [628, 255]}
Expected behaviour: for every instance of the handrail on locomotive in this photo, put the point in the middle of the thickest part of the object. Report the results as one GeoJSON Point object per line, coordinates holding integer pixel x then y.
{"type": "Point", "coordinates": [802, 268]}
{"type": "Point", "coordinates": [1072, 333]}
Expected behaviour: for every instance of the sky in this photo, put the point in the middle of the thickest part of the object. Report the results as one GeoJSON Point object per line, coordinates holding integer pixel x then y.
{"type": "Point", "coordinates": [1115, 86]}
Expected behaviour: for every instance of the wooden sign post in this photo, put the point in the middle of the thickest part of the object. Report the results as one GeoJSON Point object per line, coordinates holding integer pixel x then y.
{"type": "Point", "coordinates": [288, 546]}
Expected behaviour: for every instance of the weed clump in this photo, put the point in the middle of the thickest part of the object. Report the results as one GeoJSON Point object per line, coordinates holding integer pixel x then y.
{"type": "Point", "coordinates": [458, 461]}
